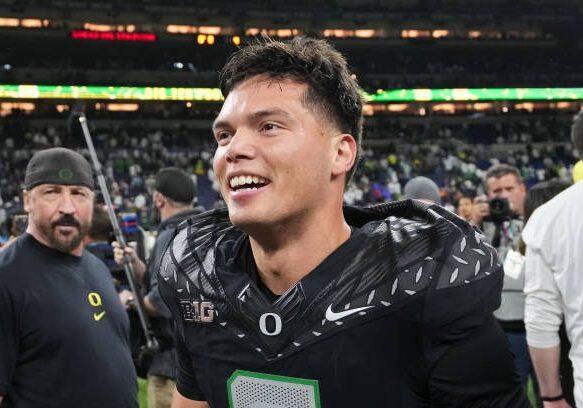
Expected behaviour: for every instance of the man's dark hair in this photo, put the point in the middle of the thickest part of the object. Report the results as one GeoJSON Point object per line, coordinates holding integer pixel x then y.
{"type": "Point", "coordinates": [332, 88]}
{"type": "Point", "coordinates": [500, 170]}
{"type": "Point", "coordinates": [577, 133]}
{"type": "Point", "coordinates": [467, 196]}
{"type": "Point", "coordinates": [540, 193]}
{"type": "Point", "coordinates": [101, 228]}
{"type": "Point", "coordinates": [536, 196]}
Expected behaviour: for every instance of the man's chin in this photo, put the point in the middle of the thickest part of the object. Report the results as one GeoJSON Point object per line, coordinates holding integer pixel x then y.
{"type": "Point", "coordinates": [65, 243]}
{"type": "Point", "coordinates": [240, 218]}
{"type": "Point", "coordinates": [252, 223]}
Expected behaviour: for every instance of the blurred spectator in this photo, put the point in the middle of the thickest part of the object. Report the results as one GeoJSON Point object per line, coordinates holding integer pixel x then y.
{"type": "Point", "coordinates": [17, 224]}
{"type": "Point", "coordinates": [554, 261]}
{"type": "Point", "coordinates": [501, 219]}
{"type": "Point", "coordinates": [132, 153]}
{"type": "Point", "coordinates": [98, 238]}
{"type": "Point", "coordinates": [173, 196]}
{"type": "Point", "coordinates": [464, 207]}
{"type": "Point", "coordinates": [422, 188]}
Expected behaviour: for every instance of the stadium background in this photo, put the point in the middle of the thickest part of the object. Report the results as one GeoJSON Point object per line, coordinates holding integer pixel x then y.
{"type": "Point", "coordinates": [452, 86]}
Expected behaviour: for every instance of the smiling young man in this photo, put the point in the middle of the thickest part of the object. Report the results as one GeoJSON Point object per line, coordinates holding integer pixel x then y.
{"type": "Point", "coordinates": [288, 299]}
{"type": "Point", "coordinates": [63, 331]}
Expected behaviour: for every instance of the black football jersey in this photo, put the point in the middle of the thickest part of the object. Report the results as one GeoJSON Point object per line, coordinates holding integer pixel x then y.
{"type": "Point", "coordinates": [400, 315]}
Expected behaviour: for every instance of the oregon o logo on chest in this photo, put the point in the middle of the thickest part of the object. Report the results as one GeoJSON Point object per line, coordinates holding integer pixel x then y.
{"type": "Point", "coordinates": [94, 299]}
{"type": "Point", "coordinates": [270, 324]}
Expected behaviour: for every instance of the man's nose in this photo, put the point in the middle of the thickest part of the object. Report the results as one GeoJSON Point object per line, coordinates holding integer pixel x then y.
{"type": "Point", "coordinates": [241, 146]}
{"type": "Point", "coordinates": [66, 205]}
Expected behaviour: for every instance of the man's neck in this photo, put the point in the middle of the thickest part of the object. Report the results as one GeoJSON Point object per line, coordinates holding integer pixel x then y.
{"type": "Point", "coordinates": [284, 257]}
{"type": "Point", "coordinates": [168, 212]}
{"type": "Point", "coordinates": [78, 251]}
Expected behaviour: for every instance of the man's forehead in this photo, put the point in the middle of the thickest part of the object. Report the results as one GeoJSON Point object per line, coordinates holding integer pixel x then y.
{"type": "Point", "coordinates": [61, 186]}
{"type": "Point", "coordinates": [263, 83]}
{"type": "Point", "coordinates": [258, 107]}
{"type": "Point", "coordinates": [270, 81]}
{"type": "Point", "coordinates": [506, 179]}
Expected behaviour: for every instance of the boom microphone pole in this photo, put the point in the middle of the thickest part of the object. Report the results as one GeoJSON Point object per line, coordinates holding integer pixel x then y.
{"type": "Point", "coordinates": [151, 342]}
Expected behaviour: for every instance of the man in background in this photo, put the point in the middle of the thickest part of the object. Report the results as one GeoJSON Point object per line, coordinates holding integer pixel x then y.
{"type": "Point", "coordinates": [422, 188]}
{"type": "Point", "coordinates": [554, 278]}
{"type": "Point", "coordinates": [98, 239]}
{"type": "Point", "coordinates": [63, 332]}
{"type": "Point", "coordinates": [173, 197]}
{"type": "Point", "coordinates": [501, 219]}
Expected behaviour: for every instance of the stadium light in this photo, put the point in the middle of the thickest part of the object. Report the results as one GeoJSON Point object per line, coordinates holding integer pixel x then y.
{"type": "Point", "coordinates": [25, 22]}
{"type": "Point", "coordinates": [9, 22]}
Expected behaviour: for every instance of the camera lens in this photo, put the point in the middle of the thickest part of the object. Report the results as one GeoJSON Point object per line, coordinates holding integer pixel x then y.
{"type": "Point", "coordinates": [497, 205]}
{"type": "Point", "coordinates": [499, 210]}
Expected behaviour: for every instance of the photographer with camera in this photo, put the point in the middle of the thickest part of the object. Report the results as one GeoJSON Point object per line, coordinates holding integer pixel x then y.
{"type": "Point", "coordinates": [500, 217]}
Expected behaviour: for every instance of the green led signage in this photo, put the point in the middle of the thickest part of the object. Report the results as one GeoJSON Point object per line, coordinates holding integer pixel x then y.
{"type": "Point", "coordinates": [476, 94]}
{"type": "Point", "coordinates": [110, 93]}
{"type": "Point", "coordinates": [135, 93]}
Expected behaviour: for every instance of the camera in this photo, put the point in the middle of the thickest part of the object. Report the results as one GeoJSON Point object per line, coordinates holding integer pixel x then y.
{"type": "Point", "coordinates": [500, 211]}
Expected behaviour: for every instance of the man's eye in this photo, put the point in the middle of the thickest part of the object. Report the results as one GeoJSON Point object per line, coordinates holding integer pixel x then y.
{"type": "Point", "coordinates": [222, 136]}
{"type": "Point", "coordinates": [270, 126]}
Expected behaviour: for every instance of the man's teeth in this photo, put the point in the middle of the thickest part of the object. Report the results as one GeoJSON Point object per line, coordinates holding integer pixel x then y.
{"type": "Point", "coordinates": [250, 182]}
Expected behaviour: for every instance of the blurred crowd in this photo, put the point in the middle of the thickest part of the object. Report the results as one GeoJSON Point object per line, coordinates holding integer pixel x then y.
{"type": "Point", "coordinates": [454, 156]}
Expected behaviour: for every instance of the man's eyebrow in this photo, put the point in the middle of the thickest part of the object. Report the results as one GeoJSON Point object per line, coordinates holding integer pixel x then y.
{"type": "Point", "coordinates": [261, 114]}
{"type": "Point", "coordinates": [270, 112]}
{"type": "Point", "coordinates": [220, 124]}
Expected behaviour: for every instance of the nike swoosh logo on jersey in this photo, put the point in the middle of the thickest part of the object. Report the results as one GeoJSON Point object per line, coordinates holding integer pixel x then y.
{"type": "Point", "coordinates": [98, 316]}
{"type": "Point", "coordinates": [333, 316]}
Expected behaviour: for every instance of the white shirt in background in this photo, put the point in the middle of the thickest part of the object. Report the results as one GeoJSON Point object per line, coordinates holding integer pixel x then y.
{"type": "Point", "coordinates": [554, 276]}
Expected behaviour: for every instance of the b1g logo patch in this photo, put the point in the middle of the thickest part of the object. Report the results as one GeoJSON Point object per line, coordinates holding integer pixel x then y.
{"type": "Point", "coordinates": [194, 311]}
{"type": "Point", "coordinates": [248, 389]}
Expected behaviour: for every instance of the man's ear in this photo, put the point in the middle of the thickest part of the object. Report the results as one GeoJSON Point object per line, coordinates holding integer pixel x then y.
{"type": "Point", "coordinates": [159, 199]}
{"type": "Point", "coordinates": [26, 197]}
{"type": "Point", "coordinates": [344, 155]}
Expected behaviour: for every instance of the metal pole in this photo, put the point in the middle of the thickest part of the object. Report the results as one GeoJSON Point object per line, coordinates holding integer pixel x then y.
{"type": "Point", "coordinates": [151, 342]}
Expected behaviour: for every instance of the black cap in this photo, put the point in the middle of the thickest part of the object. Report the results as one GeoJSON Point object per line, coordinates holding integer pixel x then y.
{"type": "Point", "coordinates": [58, 166]}
{"type": "Point", "coordinates": [175, 184]}
{"type": "Point", "coordinates": [422, 188]}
